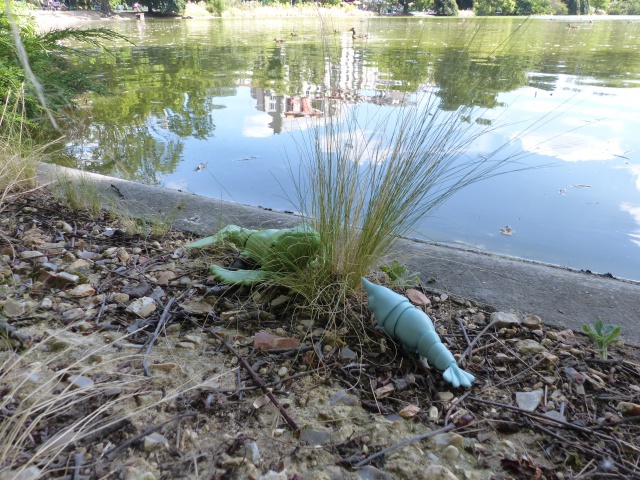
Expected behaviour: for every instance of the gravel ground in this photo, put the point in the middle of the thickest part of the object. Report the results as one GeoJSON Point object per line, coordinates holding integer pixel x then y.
{"type": "Point", "coordinates": [122, 358]}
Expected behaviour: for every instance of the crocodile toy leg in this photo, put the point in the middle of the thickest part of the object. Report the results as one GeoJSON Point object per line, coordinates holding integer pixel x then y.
{"type": "Point", "coordinates": [240, 277]}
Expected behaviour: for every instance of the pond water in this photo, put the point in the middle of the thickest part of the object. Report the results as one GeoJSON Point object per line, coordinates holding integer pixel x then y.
{"type": "Point", "coordinates": [218, 108]}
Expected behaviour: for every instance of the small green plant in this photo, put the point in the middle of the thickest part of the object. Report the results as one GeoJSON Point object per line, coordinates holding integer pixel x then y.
{"type": "Point", "coordinates": [399, 275]}
{"type": "Point", "coordinates": [602, 336]}
{"type": "Point", "coordinates": [78, 193]}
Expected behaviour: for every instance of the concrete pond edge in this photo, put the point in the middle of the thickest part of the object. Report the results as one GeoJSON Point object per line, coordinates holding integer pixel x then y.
{"type": "Point", "coordinates": [562, 297]}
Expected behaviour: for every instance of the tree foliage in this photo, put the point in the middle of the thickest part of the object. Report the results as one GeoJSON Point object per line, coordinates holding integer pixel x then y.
{"type": "Point", "coordinates": [493, 7]}
{"type": "Point", "coordinates": [447, 8]}
{"type": "Point", "coordinates": [533, 7]}
{"type": "Point", "coordinates": [61, 82]}
{"type": "Point", "coordinates": [630, 7]}
{"type": "Point", "coordinates": [599, 5]}
{"type": "Point", "coordinates": [574, 6]}
{"type": "Point", "coordinates": [167, 7]}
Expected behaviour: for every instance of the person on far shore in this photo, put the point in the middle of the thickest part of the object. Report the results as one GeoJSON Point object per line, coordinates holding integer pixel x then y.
{"type": "Point", "coordinates": [136, 7]}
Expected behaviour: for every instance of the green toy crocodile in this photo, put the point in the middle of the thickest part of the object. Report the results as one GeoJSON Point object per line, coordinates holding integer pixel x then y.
{"type": "Point", "coordinates": [274, 250]}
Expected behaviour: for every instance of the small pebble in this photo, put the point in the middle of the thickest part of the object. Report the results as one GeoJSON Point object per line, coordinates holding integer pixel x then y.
{"type": "Point", "coordinates": [451, 453]}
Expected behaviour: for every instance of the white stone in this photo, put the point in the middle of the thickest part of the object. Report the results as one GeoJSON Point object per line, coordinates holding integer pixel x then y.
{"type": "Point", "coordinates": [448, 438]}
{"type": "Point", "coordinates": [444, 396]}
{"type": "Point", "coordinates": [532, 321]}
{"type": "Point", "coordinates": [529, 347]}
{"type": "Point", "coordinates": [80, 381]}
{"type": "Point", "coordinates": [80, 265]}
{"type": "Point", "coordinates": [529, 401]}
{"type": "Point", "coordinates": [434, 414]}
{"type": "Point", "coordinates": [123, 255]}
{"type": "Point", "coordinates": [504, 320]}
{"type": "Point", "coordinates": [195, 339]}
{"type": "Point", "coordinates": [438, 472]}
{"type": "Point", "coordinates": [153, 441]}
{"type": "Point", "coordinates": [251, 452]}
{"type": "Point", "coordinates": [14, 308]}
{"type": "Point", "coordinates": [30, 473]}
{"type": "Point", "coordinates": [119, 297]}
{"type": "Point", "coordinates": [73, 315]}
{"type": "Point", "coordinates": [143, 307]}
{"type": "Point", "coordinates": [46, 304]}
{"type": "Point", "coordinates": [84, 290]}
{"type": "Point", "coordinates": [451, 453]}
{"type": "Point", "coordinates": [31, 254]}
{"type": "Point", "coordinates": [271, 475]}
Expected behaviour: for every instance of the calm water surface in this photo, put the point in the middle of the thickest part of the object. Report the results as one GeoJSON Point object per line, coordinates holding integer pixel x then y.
{"type": "Point", "coordinates": [216, 107]}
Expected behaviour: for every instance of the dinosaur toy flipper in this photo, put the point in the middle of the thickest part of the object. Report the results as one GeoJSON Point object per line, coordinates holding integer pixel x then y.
{"type": "Point", "coordinates": [231, 233]}
{"type": "Point", "coordinates": [458, 377]}
{"type": "Point", "coordinates": [239, 277]}
{"type": "Point", "coordinates": [203, 242]}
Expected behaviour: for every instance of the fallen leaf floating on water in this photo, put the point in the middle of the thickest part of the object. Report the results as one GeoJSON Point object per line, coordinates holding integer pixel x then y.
{"type": "Point", "coordinates": [581, 185]}
{"type": "Point", "coordinates": [507, 230]}
{"type": "Point", "coordinates": [562, 192]}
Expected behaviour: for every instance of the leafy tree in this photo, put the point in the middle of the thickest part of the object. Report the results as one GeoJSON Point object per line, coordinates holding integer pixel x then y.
{"type": "Point", "coordinates": [533, 7]}
{"type": "Point", "coordinates": [167, 7]}
{"type": "Point", "coordinates": [421, 5]}
{"type": "Point", "coordinates": [105, 7]}
{"type": "Point", "coordinates": [559, 7]}
{"type": "Point", "coordinates": [60, 80]}
{"type": "Point", "coordinates": [600, 5]}
{"type": "Point", "coordinates": [574, 6]}
{"type": "Point", "coordinates": [584, 7]}
{"type": "Point", "coordinates": [491, 7]}
{"type": "Point", "coordinates": [216, 7]}
{"type": "Point", "coordinates": [630, 7]}
{"type": "Point", "coordinates": [447, 8]}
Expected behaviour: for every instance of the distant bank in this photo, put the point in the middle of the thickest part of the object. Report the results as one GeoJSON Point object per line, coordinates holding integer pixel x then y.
{"type": "Point", "coordinates": [57, 19]}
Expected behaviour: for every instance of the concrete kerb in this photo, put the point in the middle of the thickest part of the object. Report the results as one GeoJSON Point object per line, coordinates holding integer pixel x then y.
{"type": "Point", "coordinates": [561, 297]}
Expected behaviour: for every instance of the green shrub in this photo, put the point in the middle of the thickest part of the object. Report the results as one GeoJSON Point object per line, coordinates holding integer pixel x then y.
{"type": "Point", "coordinates": [600, 5]}
{"type": "Point", "coordinates": [602, 336]}
{"type": "Point", "coordinates": [558, 7]}
{"type": "Point", "coordinates": [448, 8]}
{"type": "Point", "coordinates": [631, 7]}
{"type": "Point", "coordinates": [58, 82]}
{"type": "Point", "coordinates": [216, 7]}
{"type": "Point", "coordinates": [399, 275]}
{"type": "Point", "coordinates": [578, 7]}
{"type": "Point", "coordinates": [533, 7]}
{"type": "Point", "coordinates": [493, 7]}
{"type": "Point", "coordinates": [165, 6]}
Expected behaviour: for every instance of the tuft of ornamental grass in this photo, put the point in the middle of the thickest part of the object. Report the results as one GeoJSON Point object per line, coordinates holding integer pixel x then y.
{"type": "Point", "coordinates": [365, 181]}
{"type": "Point", "coordinates": [19, 157]}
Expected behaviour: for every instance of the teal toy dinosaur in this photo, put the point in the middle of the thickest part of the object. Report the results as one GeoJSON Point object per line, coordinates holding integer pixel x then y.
{"type": "Point", "coordinates": [274, 250]}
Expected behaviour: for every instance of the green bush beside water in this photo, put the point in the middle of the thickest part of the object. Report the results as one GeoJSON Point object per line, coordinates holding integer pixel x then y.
{"type": "Point", "coordinates": [631, 7]}
{"type": "Point", "coordinates": [60, 81]}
